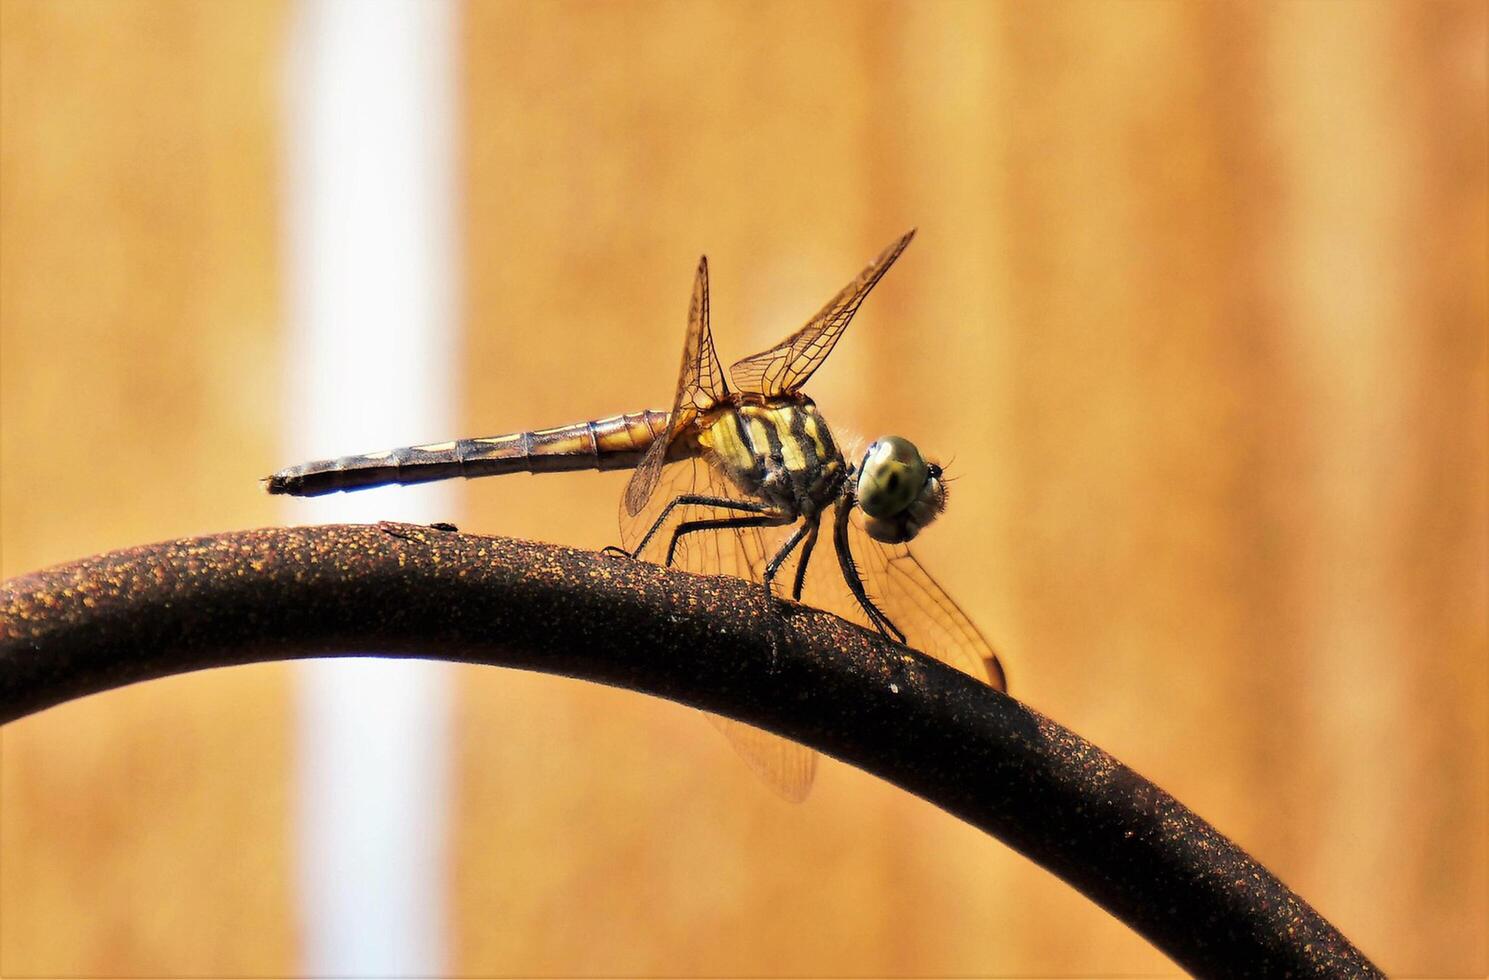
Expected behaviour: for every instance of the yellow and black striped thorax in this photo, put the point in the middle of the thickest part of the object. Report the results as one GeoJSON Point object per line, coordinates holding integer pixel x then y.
{"type": "Point", "coordinates": [750, 439]}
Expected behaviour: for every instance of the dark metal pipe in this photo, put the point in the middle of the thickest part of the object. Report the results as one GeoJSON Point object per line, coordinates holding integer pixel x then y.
{"type": "Point", "coordinates": [712, 642]}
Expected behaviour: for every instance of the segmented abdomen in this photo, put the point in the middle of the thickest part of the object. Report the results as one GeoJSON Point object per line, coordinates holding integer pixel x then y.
{"type": "Point", "coordinates": [616, 443]}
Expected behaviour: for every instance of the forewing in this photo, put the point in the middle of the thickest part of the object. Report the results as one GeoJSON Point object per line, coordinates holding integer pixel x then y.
{"type": "Point", "coordinates": [784, 368]}
{"type": "Point", "coordinates": [932, 622]}
{"type": "Point", "coordinates": [700, 386]}
{"type": "Point", "coordinates": [700, 382]}
{"type": "Point", "coordinates": [906, 593]}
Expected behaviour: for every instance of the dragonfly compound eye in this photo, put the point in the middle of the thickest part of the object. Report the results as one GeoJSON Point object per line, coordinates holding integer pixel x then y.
{"type": "Point", "coordinates": [891, 478]}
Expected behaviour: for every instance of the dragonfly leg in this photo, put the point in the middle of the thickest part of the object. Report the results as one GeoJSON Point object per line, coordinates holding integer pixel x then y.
{"type": "Point", "coordinates": [806, 556]}
{"type": "Point", "coordinates": [694, 499]}
{"type": "Point", "coordinates": [775, 563]}
{"type": "Point", "coordinates": [851, 576]}
{"type": "Point", "coordinates": [771, 519]}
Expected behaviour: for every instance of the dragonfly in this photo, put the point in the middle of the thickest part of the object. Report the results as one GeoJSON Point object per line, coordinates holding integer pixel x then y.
{"type": "Point", "coordinates": [738, 479]}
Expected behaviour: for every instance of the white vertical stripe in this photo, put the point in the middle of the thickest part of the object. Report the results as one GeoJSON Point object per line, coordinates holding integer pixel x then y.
{"type": "Point", "coordinates": [370, 106]}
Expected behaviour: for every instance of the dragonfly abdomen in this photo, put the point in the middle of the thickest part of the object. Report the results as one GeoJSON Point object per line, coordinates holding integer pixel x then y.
{"type": "Point", "coordinates": [614, 443]}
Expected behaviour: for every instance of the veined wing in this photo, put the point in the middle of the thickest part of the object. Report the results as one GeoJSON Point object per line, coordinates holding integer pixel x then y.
{"type": "Point", "coordinates": [905, 592]}
{"type": "Point", "coordinates": [931, 620]}
{"type": "Point", "coordinates": [700, 385]}
{"type": "Point", "coordinates": [738, 551]}
{"type": "Point", "coordinates": [788, 767]}
{"type": "Point", "coordinates": [784, 368]}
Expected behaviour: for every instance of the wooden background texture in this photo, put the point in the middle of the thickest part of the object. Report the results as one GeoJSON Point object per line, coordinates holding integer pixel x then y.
{"type": "Point", "coordinates": [1197, 310]}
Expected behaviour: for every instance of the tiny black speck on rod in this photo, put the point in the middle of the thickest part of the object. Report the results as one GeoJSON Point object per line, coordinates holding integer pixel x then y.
{"type": "Point", "coordinates": [711, 642]}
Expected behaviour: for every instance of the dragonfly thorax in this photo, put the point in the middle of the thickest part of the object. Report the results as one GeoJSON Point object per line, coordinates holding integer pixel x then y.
{"type": "Point", "coordinates": [779, 450]}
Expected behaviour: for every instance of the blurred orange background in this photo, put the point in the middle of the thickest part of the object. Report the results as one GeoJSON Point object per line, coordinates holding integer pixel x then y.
{"type": "Point", "coordinates": [1198, 306]}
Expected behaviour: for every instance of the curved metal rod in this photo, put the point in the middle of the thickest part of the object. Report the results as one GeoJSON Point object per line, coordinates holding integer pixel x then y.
{"type": "Point", "coordinates": [712, 642]}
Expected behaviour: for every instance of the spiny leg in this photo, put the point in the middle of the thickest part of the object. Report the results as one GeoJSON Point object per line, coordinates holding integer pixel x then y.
{"type": "Point", "coordinates": [774, 565]}
{"type": "Point", "coordinates": [850, 575]}
{"type": "Point", "coordinates": [721, 524]}
{"type": "Point", "coordinates": [723, 503]}
{"type": "Point", "coordinates": [806, 556]}
{"type": "Point", "coordinates": [876, 615]}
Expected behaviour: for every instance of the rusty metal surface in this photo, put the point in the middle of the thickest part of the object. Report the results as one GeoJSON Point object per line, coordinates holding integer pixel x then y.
{"type": "Point", "coordinates": [714, 643]}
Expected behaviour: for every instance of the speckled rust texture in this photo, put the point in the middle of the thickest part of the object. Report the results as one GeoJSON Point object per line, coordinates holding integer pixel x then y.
{"type": "Point", "coordinates": [715, 643]}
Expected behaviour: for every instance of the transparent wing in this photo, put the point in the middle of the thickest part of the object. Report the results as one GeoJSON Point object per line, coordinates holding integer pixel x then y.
{"type": "Point", "coordinates": [788, 768]}
{"type": "Point", "coordinates": [931, 621]}
{"type": "Point", "coordinates": [700, 386]}
{"type": "Point", "coordinates": [784, 368]}
{"type": "Point", "coordinates": [741, 552]}
{"type": "Point", "coordinates": [901, 587]}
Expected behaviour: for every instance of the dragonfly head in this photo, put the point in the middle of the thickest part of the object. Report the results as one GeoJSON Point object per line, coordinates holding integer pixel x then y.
{"type": "Point", "coordinates": [899, 491]}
